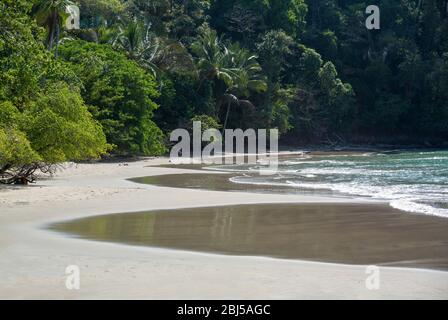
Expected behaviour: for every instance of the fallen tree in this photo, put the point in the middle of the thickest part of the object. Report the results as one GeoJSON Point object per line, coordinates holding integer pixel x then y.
{"type": "Point", "coordinates": [25, 174]}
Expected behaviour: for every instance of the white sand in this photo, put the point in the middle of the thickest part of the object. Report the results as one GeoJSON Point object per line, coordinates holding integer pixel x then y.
{"type": "Point", "coordinates": [33, 260]}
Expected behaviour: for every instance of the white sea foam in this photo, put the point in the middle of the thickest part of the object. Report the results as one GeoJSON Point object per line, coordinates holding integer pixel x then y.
{"type": "Point", "coordinates": [412, 182]}
{"type": "Point", "coordinates": [256, 183]}
{"type": "Point", "coordinates": [415, 207]}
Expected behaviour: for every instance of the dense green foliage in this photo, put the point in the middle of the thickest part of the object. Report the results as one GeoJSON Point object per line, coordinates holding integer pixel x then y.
{"type": "Point", "coordinates": [121, 95]}
{"type": "Point", "coordinates": [43, 119]}
{"type": "Point", "coordinates": [326, 77]}
{"type": "Point", "coordinates": [138, 69]}
{"type": "Point", "coordinates": [398, 72]}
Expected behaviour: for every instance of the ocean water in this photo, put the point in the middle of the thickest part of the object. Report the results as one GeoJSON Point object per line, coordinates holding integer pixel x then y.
{"type": "Point", "coordinates": [415, 182]}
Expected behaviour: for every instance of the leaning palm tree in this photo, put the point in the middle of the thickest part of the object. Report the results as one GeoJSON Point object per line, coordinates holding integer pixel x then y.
{"type": "Point", "coordinates": [236, 67]}
{"type": "Point", "coordinates": [246, 78]}
{"type": "Point", "coordinates": [51, 14]}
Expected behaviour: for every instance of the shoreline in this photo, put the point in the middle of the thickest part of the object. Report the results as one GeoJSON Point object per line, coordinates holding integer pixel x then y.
{"type": "Point", "coordinates": [33, 260]}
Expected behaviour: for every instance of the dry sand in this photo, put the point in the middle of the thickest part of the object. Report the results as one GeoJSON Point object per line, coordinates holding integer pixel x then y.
{"type": "Point", "coordinates": [33, 260]}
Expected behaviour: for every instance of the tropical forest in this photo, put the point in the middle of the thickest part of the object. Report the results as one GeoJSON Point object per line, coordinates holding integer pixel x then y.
{"type": "Point", "coordinates": [135, 70]}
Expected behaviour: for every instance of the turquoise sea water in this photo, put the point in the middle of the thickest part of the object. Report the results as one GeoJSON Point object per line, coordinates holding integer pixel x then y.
{"type": "Point", "coordinates": [411, 181]}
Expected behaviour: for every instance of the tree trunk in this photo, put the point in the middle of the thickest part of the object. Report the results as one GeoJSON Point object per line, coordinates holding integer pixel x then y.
{"type": "Point", "coordinates": [51, 36]}
{"type": "Point", "coordinates": [227, 118]}
{"type": "Point", "coordinates": [58, 31]}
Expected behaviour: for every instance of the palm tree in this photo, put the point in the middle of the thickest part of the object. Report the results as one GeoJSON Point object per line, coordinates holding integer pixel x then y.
{"type": "Point", "coordinates": [139, 44]}
{"type": "Point", "coordinates": [246, 78]}
{"type": "Point", "coordinates": [213, 59]}
{"type": "Point", "coordinates": [236, 67]}
{"type": "Point", "coordinates": [51, 14]}
{"type": "Point", "coordinates": [153, 53]}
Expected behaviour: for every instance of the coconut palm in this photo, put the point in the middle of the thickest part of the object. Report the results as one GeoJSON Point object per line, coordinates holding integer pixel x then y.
{"type": "Point", "coordinates": [213, 59]}
{"type": "Point", "coordinates": [139, 44]}
{"type": "Point", "coordinates": [154, 53]}
{"type": "Point", "coordinates": [246, 78]}
{"type": "Point", "coordinates": [236, 67]}
{"type": "Point", "coordinates": [51, 14]}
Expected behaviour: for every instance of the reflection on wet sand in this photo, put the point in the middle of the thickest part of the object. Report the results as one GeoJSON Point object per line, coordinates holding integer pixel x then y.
{"type": "Point", "coordinates": [342, 233]}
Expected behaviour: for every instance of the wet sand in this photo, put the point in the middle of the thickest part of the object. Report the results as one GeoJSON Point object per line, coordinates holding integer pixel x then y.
{"type": "Point", "coordinates": [360, 234]}
{"type": "Point", "coordinates": [220, 182]}
{"type": "Point", "coordinates": [33, 259]}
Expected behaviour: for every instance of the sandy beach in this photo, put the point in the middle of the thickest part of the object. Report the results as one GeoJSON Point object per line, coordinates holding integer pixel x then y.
{"type": "Point", "coordinates": [33, 259]}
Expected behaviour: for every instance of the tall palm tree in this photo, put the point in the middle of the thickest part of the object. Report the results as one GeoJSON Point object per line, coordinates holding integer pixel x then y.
{"type": "Point", "coordinates": [213, 59]}
{"type": "Point", "coordinates": [236, 67]}
{"type": "Point", "coordinates": [51, 14]}
{"type": "Point", "coordinates": [247, 77]}
{"type": "Point", "coordinates": [154, 53]}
